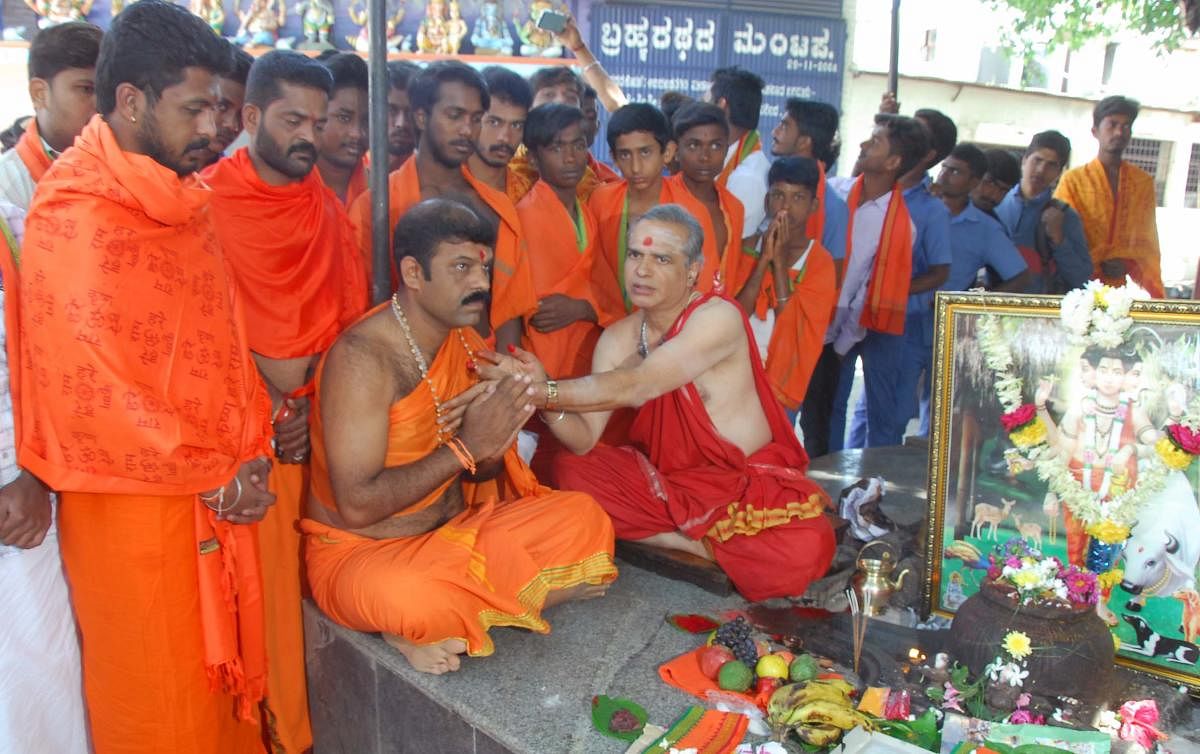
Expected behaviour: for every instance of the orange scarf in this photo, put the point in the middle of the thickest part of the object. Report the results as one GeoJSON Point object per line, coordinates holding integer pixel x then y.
{"type": "Point", "coordinates": [291, 249]}
{"type": "Point", "coordinates": [136, 374]}
{"type": "Point", "coordinates": [358, 182]}
{"type": "Point", "coordinates": [719, 264]}
{"type": "Point", "coordinates": [891, 273]}
{"type": "Point", "coordinates": [32, 152]}
{"type": "Point", "coordinates": [746, 146]}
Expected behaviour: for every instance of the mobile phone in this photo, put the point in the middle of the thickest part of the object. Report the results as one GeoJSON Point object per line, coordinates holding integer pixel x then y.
{"type": "Point", "coordinates": [551, 21]}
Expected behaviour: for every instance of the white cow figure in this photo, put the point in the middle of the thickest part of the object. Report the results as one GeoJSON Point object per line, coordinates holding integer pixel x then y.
{"type": "Point", "coordinates": [1164, 546]}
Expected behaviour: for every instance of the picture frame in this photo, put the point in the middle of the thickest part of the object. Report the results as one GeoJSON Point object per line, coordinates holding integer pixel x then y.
{"type": "Point", "coordinates": [981, 493]}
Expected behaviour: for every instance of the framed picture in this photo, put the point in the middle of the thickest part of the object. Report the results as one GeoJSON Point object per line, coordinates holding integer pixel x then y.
{"type": "Point", "coordinates": [1107, 422]}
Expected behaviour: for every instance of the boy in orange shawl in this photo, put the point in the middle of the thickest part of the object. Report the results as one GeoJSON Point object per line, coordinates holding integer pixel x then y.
{"type": "Point", "coordinates": [291, 249]}
{"type": "Point", "coordinates": [1115, 200]}
{"type": "Point", "coordinates": [448, 100]}
{"type": "Point", "coordinates": [500, 132]}
{"type": "Point", "coordinates": [342, 141]}
{"type": "Point", "coordinates": [62, 69]}
{"type": "Point", "coordinates": [140, 403]}
{"type": "Point", "coordinates": [424, 524]}
{"type": "Point", "coordinates": [708, 472]}
{"type": "Point", "coordinates": [701, 138]}
{"type": "Point", "coordinates": [792, 289]}
{"type": "Point", "coordinates": [639, 138]}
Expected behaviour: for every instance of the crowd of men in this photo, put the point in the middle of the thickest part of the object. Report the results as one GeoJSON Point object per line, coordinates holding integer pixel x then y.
{"type": "Point", "coordinates": [202, 417]}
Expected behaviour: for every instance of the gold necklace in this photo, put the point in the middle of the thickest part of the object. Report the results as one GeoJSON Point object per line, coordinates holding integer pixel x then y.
{"type": "Point", "coordinates": [444, 432]}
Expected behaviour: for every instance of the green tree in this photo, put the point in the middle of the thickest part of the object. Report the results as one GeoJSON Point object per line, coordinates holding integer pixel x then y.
{"type": "Point", "coordinates": [1047, 24]}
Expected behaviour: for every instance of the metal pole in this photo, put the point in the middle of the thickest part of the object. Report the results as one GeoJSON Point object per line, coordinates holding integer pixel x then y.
{"type": "Point", "coordinates": [381, 231]}
{"type": "Point", "coordinates": [894, 59]}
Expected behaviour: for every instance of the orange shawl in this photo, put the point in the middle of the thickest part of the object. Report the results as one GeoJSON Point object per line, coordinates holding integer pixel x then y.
{"type": "Point", "coordinates": [891, 272]}
{"type": "Point", "coordinates": [291, 250]}
{"type": "Point", "coordinates": [609, 206]}
{"type": "Point", "coordinates": [412, 431]}
{"type": "Point", "coordinates": [10, 283]}
{"type": "Point", "coordinates": [32, 152]}
{"type": "Point", "coordinates": [561, 267]}
{"type": "Point", "coordinates": [1127, 231]}
{"type": "Point", "coordinates": [746, 146]}
{"type": "Point", "coordinates": [522, 176]}
{"type": "Point", "coordinates": [358, 182]}
{"type": "Point", "coordinates": [603, 172]}
{"type": "Point", "coordinates": [512, 283]}
{"type": "Point", "coordinates": [724, 262]}
{"type": "Point", "coordinates": [136, 374]}
{"type": "Point", "coordinates": [799, 330]}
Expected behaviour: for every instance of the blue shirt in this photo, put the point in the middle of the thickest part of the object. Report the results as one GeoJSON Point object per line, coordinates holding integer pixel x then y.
{"type": "Point", "coordinates": [837, 219]}
{"type": "Point", "coordinates": [1021, 217]}
{"type": "Point", "coordinates": [979, 241]}
{"type": "Point", "coordinates": [931, 246]}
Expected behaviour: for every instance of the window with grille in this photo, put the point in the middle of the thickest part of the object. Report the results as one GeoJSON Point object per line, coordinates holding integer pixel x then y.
{"type": "Point", "coordinates": [1154, 157]}
{"type": "Point", "coordinates": [1191, 189]}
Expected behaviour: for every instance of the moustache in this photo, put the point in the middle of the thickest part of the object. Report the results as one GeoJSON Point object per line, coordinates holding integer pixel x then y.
{"type": "Point", "coordinates": [462, 144]}
{"type": "Point", "coordinates": [502, 149]}
{"type": "Point", "coordinates": [307, 149]}
{"type": "Point", "coordinates": [201, 143]}
{"type": "Point", "coordinates": [478, 297]}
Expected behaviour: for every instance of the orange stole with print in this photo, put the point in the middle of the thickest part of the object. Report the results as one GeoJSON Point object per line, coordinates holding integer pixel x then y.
{"type": "Point", "coordinates": [891, 271]}
{"type": "Point", "coordinates": [724, 262]}
{"type": "Point", "coordinates": [561, 267]}
{"type": "Point", "coordinates": [32, 152]}
{"type": "Point", "coordinates": [1127, 231]}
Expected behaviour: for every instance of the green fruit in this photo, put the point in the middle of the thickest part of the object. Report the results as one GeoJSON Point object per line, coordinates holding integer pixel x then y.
{"type": "Point", "coordinates": [803, 668]}
{"type": "Point", "coordinates": [735, 675]}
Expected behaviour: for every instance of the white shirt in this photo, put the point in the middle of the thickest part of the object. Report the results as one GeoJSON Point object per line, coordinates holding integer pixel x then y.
{"type": "Point", "coordinates": [846, 329]}
{"type": "Point", "coordinates": [764, 328]}
{"type": "Point", "coordinates": [16, 184]}
{"type": "Point", "coordinates": [748, 182]}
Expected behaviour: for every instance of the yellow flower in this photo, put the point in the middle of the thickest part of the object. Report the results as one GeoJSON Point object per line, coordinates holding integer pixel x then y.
{"type": "Point", "coordinates": [1026, 579]}
{"type": "Point", "coordinates": [1109, 532]}
{"type": "Point", "coordinates": [1109, 579]}
{"type": "Point", "coordinates": [1171, 455]}
{"type": "Point", "coordinates": [1017, 644]}
{"type": "Point", "coordinates": [1101, 295]}
{"type": "Point", "coordinates": [1033, 433]}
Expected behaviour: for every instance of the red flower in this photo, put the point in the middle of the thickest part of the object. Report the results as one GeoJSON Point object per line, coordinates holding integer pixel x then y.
{"type": "Point", "coordinates": [1184, 438]}
{"type": "Point", "coordinates": [1018, 417]}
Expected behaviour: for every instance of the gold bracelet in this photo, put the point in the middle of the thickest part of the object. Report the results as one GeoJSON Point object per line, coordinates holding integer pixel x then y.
{"type": "Point", "coordinates": [551, 394]}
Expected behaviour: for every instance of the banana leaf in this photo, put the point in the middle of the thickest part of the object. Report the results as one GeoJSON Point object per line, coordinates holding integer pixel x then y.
{"type": "Point", "coordinates": [603, 709]}
{"type": "Point", "coordinates": [921, 732]}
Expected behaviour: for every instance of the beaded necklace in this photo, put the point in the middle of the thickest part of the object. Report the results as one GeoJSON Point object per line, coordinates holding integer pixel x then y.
{"type": "Point", "coordinates": [444, 433]}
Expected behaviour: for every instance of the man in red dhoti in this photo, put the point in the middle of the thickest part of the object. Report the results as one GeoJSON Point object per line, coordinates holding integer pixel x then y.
{"type": "Point", "coordinates": [709, 471]}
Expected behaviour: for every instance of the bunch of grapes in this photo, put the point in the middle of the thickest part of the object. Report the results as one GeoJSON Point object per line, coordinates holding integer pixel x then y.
{"type": "Point", "coordinates": [738, 637]}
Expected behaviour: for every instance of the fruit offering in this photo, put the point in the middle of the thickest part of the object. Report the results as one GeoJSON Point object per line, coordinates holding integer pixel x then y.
{"type": "Point", "coordinates": [712, 658]}
{"type": "Point", "coordinates": [735, 675]}
{"type": "Point", "coordinates": [738, 636]}
{"type": "Point", "coordinates": [818, 712]}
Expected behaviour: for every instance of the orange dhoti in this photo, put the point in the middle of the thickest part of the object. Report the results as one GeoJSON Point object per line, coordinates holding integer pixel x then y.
{"type": "Point", "coordinates": [491, 565]}
{"type": "Point", "coordinates": [761, 518]}
{"type": "Point", "coordinates": [132, 566]}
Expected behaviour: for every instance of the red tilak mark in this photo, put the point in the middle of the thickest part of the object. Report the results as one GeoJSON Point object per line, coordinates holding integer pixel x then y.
{"type": "Point", "coordinates": [512, 348]}
{"type": "Point", "coordinates": [482, 255]}
{"type": "Point", "coordinates": [647, 241]}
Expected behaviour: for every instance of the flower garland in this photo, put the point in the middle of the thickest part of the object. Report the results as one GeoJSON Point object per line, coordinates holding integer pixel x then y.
{"type": "Point", "coordinates": [1094, 315]}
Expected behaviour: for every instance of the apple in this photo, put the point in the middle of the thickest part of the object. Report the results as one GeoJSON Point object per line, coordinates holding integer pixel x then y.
{"type": "Point", "coordinates": [712, 658]}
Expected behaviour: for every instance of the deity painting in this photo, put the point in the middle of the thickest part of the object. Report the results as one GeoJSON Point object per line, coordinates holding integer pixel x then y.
{"type": "Point", "coordinates": [1081, 439]}
{"type": "Point", "coordinates": [491, 35]}
{"type": "Point", "coordinates": [535, 42]}
{"type": "Point", "coordinates": [316, 20]}
{"type": "Point", "coordinates": [260, 23]}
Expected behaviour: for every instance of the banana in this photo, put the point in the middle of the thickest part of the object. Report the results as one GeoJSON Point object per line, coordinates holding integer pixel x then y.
{"type": "Point", "coordinates": [823, 712]}
{"type": "Point", "coordinates": [818, 735]}
{"type": "Point", "coordinates": [787, 699]}
{"type": "Point", "coordinates": [837, 683]}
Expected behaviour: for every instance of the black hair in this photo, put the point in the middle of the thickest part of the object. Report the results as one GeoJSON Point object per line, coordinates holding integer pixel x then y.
{"type": "Point", "coordinates": [148, 45]}
{"type": "Point", "coordinates": [589, 92]}
{"type": "Point", "coordinates": [434, 221]}
{"type": "Point", "coordinates": [742, 91]}
{"type": "Point", "coordinates": [943, 134]}
{"type": "Point", "coordinates": [638, 116]}
{"type": "Point", "coordinates": [907, 138]}
{"type": "Point", "coordinates": [554, 75]}
{"type": "Point", "coordinates": [425, 88]}
{"type": "Point", "coordinates": [242, 62]}
{"type": "Point", "coordinates": [1052, 140]}
{"type": "Point", "coordinates": [696, 114]}
{"type": "Point", "coordinates": [11, 135]}
{"type": "Point", "coordinates": [1115, 105]}
{"type": "Point", "coordinates": [798, 171]}
{"type": "Point", "coordinates": [400, 72]}
{"type": "Point", "coordinates": [1093, 354]}
{"type": "Point", "coordinates": [279, 66]}
{"type": "Point", "coordinates": [670, 102]}
{"type": "Point", "coordinates": [545, 122]}
{"type": "Point", "coordinates": [349, 71]}
{"type": "Point", "coordinates": [75, 44]}
{"type": "Point", "coordinates": [505, 85]}
{"type": "Point", "coordinates": [819, 122]}
{"type": "Point", "coordinates": [324, 55]}
{"type": "Point", "coordinates": [1003, 167]}
{"type": "Point", "coordinates": [977, 163]}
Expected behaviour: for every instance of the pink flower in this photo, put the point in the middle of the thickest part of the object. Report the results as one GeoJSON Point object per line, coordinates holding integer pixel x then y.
{"type": "Point", "coordinates": [952, 699]}
{"type": "Point", "coordinates": [1012, 561]}
{"type": "Point", "coordinates": [1025, 717]}
{"type": "Point", "coordinates": [1137, 723]}
{"type": "Point", "coordinates": [1184, 438]}
{"type": "Point", "coordinates": [1018, 417]}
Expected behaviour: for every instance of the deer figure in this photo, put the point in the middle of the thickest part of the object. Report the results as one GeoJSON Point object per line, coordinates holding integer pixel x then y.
{"type": "Point", "coordinates": [991, 516]}
{"type": "Point", "coordinates": [1051, 506]}
{"type": "Point", "coordinates": [1030, 530]}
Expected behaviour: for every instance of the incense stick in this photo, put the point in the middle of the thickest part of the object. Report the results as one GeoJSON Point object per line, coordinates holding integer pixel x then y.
{"type": "Point", "coordinates": [858, 627]}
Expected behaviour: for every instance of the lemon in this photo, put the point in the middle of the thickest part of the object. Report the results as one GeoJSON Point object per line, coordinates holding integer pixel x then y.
{"type": "Point", "coordinates": [771, 666]}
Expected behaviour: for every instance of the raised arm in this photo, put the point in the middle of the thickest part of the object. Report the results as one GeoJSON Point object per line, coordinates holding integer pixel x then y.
{"type": "Point", "coordinates": [608, 91]}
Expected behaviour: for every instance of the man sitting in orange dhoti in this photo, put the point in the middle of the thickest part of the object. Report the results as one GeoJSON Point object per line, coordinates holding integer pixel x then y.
{"type": "Point", "coordinates": [424, 523]}
{"type": "Point", "coordinates": [1115, 200]}
{"type": "Point", "coordinates": [712, 470]}
{"type": "Point", "coordinates": [140, 403]}
{"type": "Point", "coordinates": [291, 249]}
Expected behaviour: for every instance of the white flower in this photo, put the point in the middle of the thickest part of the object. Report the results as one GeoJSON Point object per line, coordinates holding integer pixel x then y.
{"type": "Point", "coordinates": [1012, 674]}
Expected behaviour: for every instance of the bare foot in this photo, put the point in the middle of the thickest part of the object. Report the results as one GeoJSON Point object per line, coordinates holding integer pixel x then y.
{"type": "Point", "coordinates": [439, 658]}
{"type": "Point", "coordinates": [1105, 614]}
{"type": "Point", "coordinates": [577, 592]}
{"type": "Point", "coordinates": [677, 541]}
